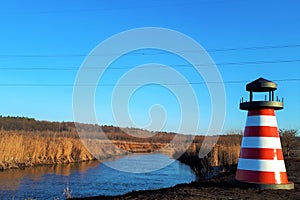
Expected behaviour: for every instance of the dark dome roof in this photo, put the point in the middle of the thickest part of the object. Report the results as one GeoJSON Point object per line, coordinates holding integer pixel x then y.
{"type": "Point", "coordinates": [261, 85]}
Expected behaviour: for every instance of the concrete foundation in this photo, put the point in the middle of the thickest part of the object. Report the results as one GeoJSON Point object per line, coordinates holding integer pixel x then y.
{"type": "Point", "coordinates": [282, 186]}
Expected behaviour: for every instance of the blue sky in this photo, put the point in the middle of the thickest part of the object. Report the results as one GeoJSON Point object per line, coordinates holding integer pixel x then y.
{"type": "Point", "coordinates": [44, 43]}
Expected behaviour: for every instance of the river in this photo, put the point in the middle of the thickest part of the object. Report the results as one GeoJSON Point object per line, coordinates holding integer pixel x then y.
{"type": "Point", "coordinates": [92, 178]}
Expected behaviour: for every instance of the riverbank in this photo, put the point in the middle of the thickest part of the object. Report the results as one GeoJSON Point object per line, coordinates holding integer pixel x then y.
{"type": "Point", "coordinates": [21, 149]}
{"type": "Point", "coordinates": [220, 187]}
{"type": "Point", "coordinates": [28, 148]}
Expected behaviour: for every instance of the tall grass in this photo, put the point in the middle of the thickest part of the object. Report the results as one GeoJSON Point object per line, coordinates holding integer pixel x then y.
{"type": "Point", "coordinates": [27, 142]}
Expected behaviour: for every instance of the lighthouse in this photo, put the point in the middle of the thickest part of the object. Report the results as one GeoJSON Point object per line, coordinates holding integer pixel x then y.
{"type": "Point", "coordinates": [261, 163]}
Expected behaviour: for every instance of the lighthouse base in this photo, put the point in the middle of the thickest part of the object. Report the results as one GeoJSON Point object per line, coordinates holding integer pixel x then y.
{"type": "Point", "coordinates": [262, 186]}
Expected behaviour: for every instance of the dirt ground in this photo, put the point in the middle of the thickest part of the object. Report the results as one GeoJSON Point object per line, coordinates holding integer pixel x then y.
{"type": "Point", "coordinates": [218, 188]}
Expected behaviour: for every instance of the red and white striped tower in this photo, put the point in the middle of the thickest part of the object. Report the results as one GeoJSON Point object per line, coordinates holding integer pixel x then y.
{"type": "Point", "coordinates": [261, 162]}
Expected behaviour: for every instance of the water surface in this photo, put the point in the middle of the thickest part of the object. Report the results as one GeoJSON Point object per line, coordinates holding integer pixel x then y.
{"type": "Point", "coordinates": [93, 178]}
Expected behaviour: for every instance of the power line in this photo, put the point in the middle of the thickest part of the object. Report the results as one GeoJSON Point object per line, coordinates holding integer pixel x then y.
{"type": "Point", "coordinates": [154, 66]}
{"type": "Point", "coordinates": [150, 53]}
{"type": "Point", "coordinates": [129, 85]}
{"type": "Point", "coordinates": [135, 7]}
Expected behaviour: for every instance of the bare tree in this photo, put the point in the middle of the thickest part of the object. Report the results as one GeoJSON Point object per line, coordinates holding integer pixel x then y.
{"type": "Point", "coordinates": [288, 140]}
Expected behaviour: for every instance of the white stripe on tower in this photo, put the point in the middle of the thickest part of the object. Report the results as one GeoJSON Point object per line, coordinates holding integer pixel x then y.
{"type": "Point", "coordinates": [261, 142]}
{"type": "Point", "coordinates": [261, 120]}
{"type": "Point", "coordinates": [262, 165]}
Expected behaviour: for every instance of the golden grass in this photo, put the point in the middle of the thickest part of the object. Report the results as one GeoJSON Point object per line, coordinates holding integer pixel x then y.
{"type": "Point", "coordinates": [20, 149]}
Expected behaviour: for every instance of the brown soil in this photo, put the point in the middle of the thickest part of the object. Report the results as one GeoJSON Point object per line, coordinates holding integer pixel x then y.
{"type": "Point", "coordinates": [218, 188]}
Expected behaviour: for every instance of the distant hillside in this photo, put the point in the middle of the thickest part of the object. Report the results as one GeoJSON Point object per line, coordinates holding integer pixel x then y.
{"type": "Point", "coordinates": [68, 129]}
{"type": "Point", "coordinates": [30, 124]}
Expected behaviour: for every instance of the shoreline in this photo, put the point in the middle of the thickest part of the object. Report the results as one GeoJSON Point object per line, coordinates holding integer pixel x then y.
{"type": "Point", "coordinates": [219, 187]}
{"type": "Point", "coordinates": [22, 166]}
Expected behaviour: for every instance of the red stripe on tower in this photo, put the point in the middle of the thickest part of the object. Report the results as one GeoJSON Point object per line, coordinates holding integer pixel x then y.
{"type": "Point", "coordinates": [261, 131]}
{"type": "Point", "coordinates": [261, 112]}
{"type": "Point", "coordinates": [261, 153]}
{"type": "Point", "coordinates": [262, 177]}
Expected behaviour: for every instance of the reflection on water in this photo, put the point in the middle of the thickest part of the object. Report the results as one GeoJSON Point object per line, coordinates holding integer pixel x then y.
{"type": "Point", "coordinates": [92, 178]}
{"type": "Point", "coordinates": [11, 179]}
{"type": "Point", "coordinates": [139, 163]}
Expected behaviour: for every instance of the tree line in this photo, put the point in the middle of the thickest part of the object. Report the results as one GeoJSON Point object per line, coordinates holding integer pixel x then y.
{"type": "Point", "coordinates": [10, 123]}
